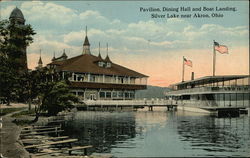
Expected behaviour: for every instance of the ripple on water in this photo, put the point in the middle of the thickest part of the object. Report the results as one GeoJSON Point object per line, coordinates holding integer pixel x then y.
{"type": "Point", "coordinates": [161, 133]}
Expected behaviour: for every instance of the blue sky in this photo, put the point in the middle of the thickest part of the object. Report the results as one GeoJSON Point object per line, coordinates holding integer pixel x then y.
{"type": "Point", "coordinates": [136, 39]}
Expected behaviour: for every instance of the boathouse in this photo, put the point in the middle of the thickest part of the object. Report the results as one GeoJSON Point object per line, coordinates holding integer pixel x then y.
{"type": "Point", "coordinates": [93, 78]}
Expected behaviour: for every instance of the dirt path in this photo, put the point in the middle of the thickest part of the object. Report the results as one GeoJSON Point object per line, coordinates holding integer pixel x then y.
{"type": "Point", "coordinates": [10, 147]}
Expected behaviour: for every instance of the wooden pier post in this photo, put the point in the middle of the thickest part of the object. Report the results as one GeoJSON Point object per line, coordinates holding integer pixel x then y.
{"type": "Point", "coordinates": [150, 108]}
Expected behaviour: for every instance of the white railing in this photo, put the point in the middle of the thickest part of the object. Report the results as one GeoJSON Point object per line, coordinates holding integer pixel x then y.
{"type": "Point", "coordinates": [153, 102]}
{"type": "Point", "coordinates": [200, 90]}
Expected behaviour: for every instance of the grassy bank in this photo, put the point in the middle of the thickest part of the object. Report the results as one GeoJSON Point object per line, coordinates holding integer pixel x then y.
{"type": "Point", "coordinates": [9, 110]}
{"type": "Point", "coordinates": [26, 112]}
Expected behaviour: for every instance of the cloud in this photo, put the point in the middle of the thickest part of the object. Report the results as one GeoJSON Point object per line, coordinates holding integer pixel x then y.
{"type": "Point", "coordinates": [5, 12]}
{"type": "Point", "coordinates": [48, 11]}
{"type": "Point", "coordinates": [158, 44]}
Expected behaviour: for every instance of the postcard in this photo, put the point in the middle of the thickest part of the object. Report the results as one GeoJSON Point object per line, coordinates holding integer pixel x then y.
{"type": "Point", "coordinates": [183, 68]}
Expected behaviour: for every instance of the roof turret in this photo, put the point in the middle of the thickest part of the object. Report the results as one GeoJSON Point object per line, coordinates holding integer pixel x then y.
{"type": "Point", "coordinates": [40, 61]}
{"type": "Point", "coordinates": [107, 59]}
{"type": "Point", "coordinates": [64, 54]}
{"type": "Point", "coordinates": [17, 14]}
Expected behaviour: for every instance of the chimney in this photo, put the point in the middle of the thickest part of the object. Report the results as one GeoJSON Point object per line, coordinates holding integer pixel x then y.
{"type": "Point", "coordinates": [192, 76]}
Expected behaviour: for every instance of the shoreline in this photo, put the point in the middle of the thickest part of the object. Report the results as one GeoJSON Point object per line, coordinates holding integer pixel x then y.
{"type": "Point", "coordinates": [12, 147]}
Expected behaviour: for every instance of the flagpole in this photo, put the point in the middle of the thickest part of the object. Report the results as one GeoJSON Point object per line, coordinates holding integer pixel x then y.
{"type": "Point", "coordinates": [214, 59]}
{"type": "Point", "coordinates": [183, 69]}
{"type": "Point", "coordinates": [249, 72]}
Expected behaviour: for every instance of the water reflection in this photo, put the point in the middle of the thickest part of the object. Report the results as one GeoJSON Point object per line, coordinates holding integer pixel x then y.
{"type": "Point", "coordinates": [101, 129]}
{"type": "Point", "coordinates": [161, 133]}
{"type": "Point", "coordinates": [216, 136]}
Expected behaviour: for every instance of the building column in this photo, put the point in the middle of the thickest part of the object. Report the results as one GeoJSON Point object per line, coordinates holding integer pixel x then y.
{"type": "Point", "coordinates": [98, 93]}
{"type": "Point", "coordinates": [84, 94]}
{"type": "Point", "coordinates": [88, 77]}
{"type": "Point", "coordinates": [103, 78]}
{"type": "Point", "coordinates": [112, 79]}
{"type": "Point", "coordinates": [63, 74]}
{"type": "Point", "coordinates": [72, 77]}
{"type": "Point", "coordinates": [112, 94]}
{"type": "Point", "coordinates": [123, 95]}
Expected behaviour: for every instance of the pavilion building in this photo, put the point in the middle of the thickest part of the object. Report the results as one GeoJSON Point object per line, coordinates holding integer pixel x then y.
{"type": "Point", "coordinates": [92, 77]}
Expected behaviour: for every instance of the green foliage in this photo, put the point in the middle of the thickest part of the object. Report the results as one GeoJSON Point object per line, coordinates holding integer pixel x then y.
{"type": "Point", "coordinates": [8, 110]}
{"type": "Point", "coordinates": [26, 112]}
{"type": "Point", "coordinates": [58, 98]}
{"type": "Point", "coordinates": [44, 86]}
{"type": "Point", "coordinates": [13, 42]}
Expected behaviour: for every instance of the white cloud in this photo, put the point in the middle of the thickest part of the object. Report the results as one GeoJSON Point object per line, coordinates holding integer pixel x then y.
{"type": "Point", "coordinates": [65, 30]}
{"type": "Point", "coordinates": [48, 12]}
{"type": "Point", "coordinates": [5, 12]}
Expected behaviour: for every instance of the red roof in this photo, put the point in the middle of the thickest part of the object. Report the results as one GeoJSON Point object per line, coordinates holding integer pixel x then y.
{"type": "Point", "coordinates": [87, 63]}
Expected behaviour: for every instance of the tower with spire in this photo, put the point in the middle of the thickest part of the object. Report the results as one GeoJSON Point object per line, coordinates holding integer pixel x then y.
{"type": "Point", "coordinates": [17, 19]}
{"type": "Point", "coordinates": [107, 60]}
{"type": "Point", "coordinates": [86, 45]}
{"type": "Point", "coordinates": [40, 62]}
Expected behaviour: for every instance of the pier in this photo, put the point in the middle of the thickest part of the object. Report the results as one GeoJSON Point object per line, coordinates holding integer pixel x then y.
{"type": "Point", "coordinates": [37, 142]}
{"type": "Point", "coordinates": [119, 104]}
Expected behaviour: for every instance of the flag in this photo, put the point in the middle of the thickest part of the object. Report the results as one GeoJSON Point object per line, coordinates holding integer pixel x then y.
{"type": "Point", "coordinates": [187, 62]}
{"type": "Point", "coordinates": [220, 48]}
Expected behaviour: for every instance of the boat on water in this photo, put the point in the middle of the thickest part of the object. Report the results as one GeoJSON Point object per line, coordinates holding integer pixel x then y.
{"type": "Point", "coordinates": [220, 95]}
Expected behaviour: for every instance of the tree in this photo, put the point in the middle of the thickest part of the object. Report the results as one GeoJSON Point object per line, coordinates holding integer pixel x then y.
{"type": "Point", "coordinates": [13, 42]}
{"type": "Point", "coordinates": [52, 94]}
{"type": "Point", "coordinates": [58, 98]}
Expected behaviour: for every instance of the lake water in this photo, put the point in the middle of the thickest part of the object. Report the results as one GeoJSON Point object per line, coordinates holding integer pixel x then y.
{"type": "Point", "coordinates": [160, 133]}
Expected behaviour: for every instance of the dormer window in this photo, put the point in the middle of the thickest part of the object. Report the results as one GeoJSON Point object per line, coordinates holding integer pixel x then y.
{"type": "Point", "coordinates": [100, 63]}
{"type": "Point", "coordinates": [108, 65]}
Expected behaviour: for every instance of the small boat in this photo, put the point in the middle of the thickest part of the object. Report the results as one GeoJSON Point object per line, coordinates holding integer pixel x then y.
{"type": "Point", "coordinates": [220, 95]}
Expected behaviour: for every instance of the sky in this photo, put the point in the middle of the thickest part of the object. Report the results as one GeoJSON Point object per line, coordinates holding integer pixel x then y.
{"type": "Point", "coordinates": [152, 46]}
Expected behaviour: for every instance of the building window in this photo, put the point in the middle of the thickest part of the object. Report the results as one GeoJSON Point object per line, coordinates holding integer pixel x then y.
{"type": "Point", "coordinates": [100, 63]}
{"type": "Point", "coordinates": [80, 94]}
{"type": "Point", "coordinates": [114, 94]}
{"type": "Point", "coordinates": [108, 94]}
{"type": "Point", "coordinates": [120, 94]}
{"type": "Point", "coordinates": [92, 78]}
{"type": "Point", "coordinates": [132, 95]}
{"type": "Point", "coordinates": [126, 94]}
{"type": "Point", "coordinates": [102, 94]}
{"type": "Point", "coordinates": [108, 64]}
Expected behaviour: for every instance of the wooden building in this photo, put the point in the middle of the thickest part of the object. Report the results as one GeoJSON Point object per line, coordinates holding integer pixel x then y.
{"type": "Point", "coordinates": [92, 77]}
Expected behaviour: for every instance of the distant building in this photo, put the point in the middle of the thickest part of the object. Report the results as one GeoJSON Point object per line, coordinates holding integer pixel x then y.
{"type": "Point", "coordinates": [93, 77]}
{"type": "Point", "coordinates": [17, 18]}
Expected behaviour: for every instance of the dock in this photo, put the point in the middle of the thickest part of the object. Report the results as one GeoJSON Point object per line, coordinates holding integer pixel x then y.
{"type": "Point", "coordinates": [119, 104]}
{"type": "Point", "coordinates": [37, 142]}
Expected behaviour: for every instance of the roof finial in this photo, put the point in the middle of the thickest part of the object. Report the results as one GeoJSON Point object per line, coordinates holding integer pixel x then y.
{"type": "Point", "coordinates": [40, 63]}
{"type": "Point", "coordinates": [86, 30]}
{"type": "Point", "coordinates": [99, 48]}
{"type": "Point", "coordinates": [107, 49]}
